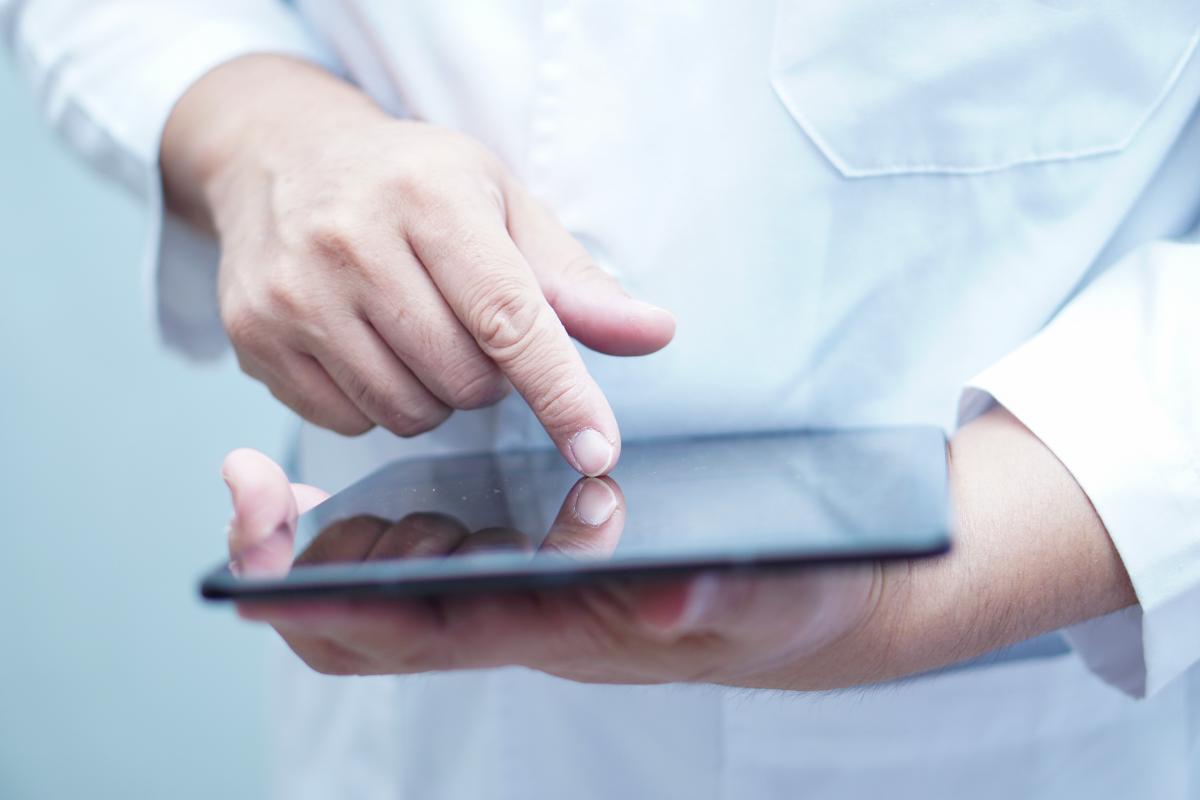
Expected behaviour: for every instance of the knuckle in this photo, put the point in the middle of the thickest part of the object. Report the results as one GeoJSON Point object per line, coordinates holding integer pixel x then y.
{"type": "Point", "coordinates": [323, 324]}
{"type": "Point", "coordinates": [277, 306]}
{"type": "Point", "coordinates": [504, 318]}
{"type": "Point", "coordinates": [283, 300]}
{"type": "Point", "coordinates": [244, 325]}
{"type": "Point", "coordinates": [346, 422]}
{"type": "Point", "coordinates": [580, 268]}
{"type": "Point", "coordinates": [411, 184]}
{"type": "Point", "coordinates": [383, 403]}
{"type": "Point", "coordinates": [579, 272]}
{"type": "Point", "coordinates": [348, 426]}
{"type": "Point", "coordinates": [304, 406]}
{"type": "Point", "coordinates": [411, 422]}
{"type": "Point", "coordinates": [364, 397]}
{"type": "Point", "coordinates": [420, 192]}
{"type": "Point", "coordinates": [334, 239]}
{"type": "Point", "coordinates": [250, 366]}
{"type": "Point", "coordinates": [440, 203]}
{"type": "Point", "coordinates": [482, 385]}
{"type": "Point", "coordinates": [358, 390]}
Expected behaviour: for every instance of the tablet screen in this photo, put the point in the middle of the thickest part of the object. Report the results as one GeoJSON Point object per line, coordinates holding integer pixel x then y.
{"type": "Point", "coordinates": [526, 518]}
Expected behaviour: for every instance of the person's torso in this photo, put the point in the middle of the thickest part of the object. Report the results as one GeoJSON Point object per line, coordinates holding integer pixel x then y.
{"type": "Point", "coordinates": [852, 208]}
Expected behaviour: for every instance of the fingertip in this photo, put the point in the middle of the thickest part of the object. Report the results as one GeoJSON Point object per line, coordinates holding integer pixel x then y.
{"type": "Point", "coordinates": [243, 463]}
{"type": "Point", "coordinates": [264, 507]}
{"type": "Point", "coordinates": [660, 318]}
{"type": "Point", "coordinates": [593, 453]}
{"type": "Point", "coordinates": [656, 331]}
{"type": "Point", "coordinates": [678, 607]}
{"type": "Point", "coordinates": [247, 465]}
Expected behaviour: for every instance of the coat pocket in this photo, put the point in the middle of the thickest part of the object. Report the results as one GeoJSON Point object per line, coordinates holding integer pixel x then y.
{"type": "Point", "coordinates": [888, 87]}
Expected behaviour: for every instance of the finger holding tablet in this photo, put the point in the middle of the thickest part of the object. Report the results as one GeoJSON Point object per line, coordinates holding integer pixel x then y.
{"type": "Point", "coordinates": [695, 560]}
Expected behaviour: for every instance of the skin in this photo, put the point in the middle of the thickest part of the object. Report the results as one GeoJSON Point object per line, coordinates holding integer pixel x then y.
{"type": "Point", "coordinates": [1030, 555]}
{"type": "Point", "coordinates": [385, 272]}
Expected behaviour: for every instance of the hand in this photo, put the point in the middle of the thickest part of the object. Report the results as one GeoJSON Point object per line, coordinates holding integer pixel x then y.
{"type": "Point", "coordinates": [384, 272]}
{"type": "Point", "coordinates": [712, 628]}
{"type": "Point", "coordinates": [1030, 556]}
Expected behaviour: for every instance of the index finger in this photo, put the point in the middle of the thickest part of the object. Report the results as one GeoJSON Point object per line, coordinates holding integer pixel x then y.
{"type": "Point", "coordinates": [493, 292]}
{"type": "Point", "coordinates": [590, 522]}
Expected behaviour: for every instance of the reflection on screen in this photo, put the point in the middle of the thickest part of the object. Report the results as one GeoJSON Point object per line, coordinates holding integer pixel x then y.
{"type": "Point", "coordinates": [751, 498]}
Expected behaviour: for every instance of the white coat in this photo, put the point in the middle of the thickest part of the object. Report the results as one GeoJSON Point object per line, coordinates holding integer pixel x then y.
{"type": "Point", "coordinates": [861, 211]}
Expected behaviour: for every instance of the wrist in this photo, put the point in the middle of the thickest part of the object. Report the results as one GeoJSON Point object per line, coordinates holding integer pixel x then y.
{"type": "Point", "coordinates": [241, 117]}
{"type": "Point", "coordinates": [1030, 555]}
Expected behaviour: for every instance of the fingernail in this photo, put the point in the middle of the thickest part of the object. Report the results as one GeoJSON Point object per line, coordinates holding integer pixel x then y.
{"type": "Point", "coordinates": [229, 485]}
{"type": "Point", "coordinates": [700, 602]}
{"type": "Point", "coordinates": [593, 453]}
{"type": "Point", "coordinates": [595, 503]}
{"type": "Point", "coordinates": [653, 308]}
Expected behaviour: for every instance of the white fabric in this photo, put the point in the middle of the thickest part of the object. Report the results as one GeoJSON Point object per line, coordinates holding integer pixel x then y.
{"type": "Point", "coordinates": [107, 75]}
{"type": "Point", "coordinates": [858, 209]}
{"type": "Point", "coordinates": [1127, 469]}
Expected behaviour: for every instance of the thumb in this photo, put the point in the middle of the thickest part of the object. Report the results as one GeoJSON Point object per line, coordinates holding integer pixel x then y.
{"type": "Point", "coordinates": [264, 514]}
{"type": "Point", "coordinates": [596, 311]}
{"type": "Point", "coordinates": [590, 303]}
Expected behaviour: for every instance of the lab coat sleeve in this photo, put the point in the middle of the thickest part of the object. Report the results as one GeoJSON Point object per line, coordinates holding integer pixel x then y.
{"type": "Point", "coordinates": [1112, 387]}
{"type": "Point", "coordinates": [107, 74]}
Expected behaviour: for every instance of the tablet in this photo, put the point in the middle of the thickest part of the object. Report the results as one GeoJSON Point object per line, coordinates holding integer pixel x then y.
{"type": "Point", "coordinates": [511, 520]}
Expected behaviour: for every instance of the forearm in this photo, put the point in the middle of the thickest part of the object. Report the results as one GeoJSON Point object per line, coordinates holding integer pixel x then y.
{"type": "Point", "coordinates": [1030, 555]}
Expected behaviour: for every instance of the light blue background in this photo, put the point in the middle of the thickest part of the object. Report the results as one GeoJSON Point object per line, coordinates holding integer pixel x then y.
{"type": "Point", "coordinates": [115, 682]}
